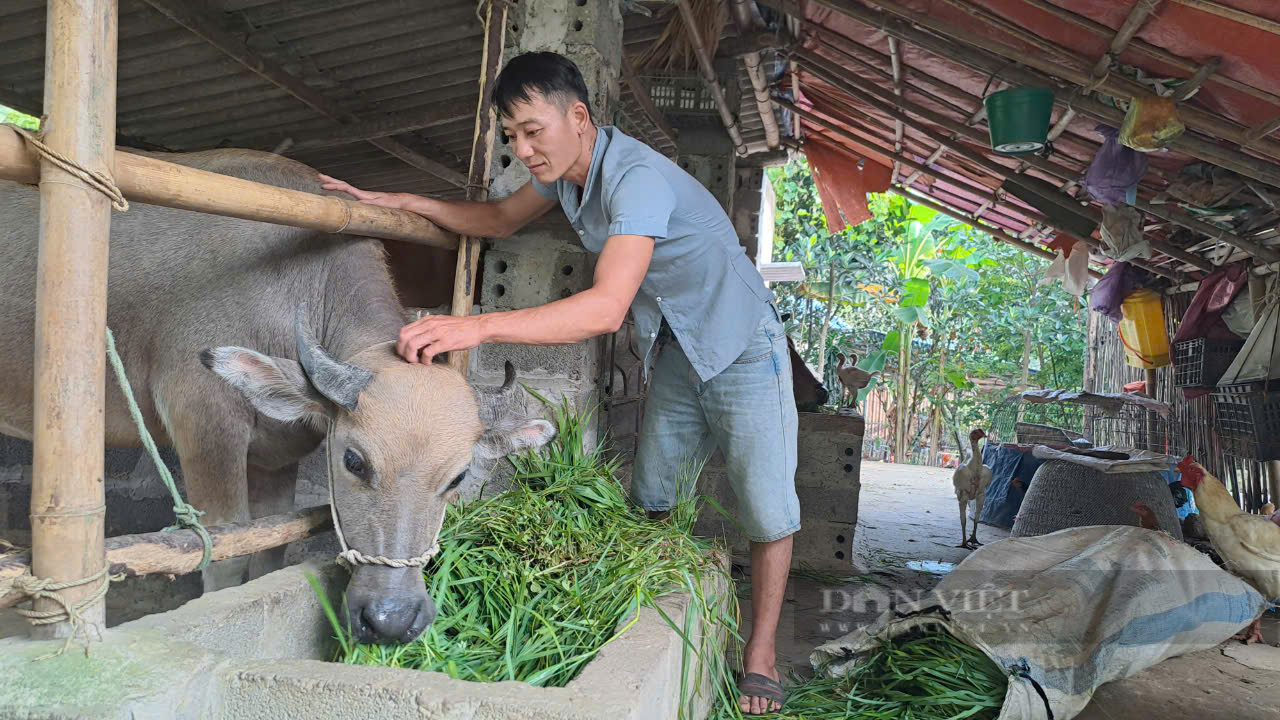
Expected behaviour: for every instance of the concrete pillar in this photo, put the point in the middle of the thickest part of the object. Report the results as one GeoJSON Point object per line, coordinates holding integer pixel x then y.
{"type": "Point", "coordinates": [546, 261]}
{"type": "Point", "coordinates": [748, 184]}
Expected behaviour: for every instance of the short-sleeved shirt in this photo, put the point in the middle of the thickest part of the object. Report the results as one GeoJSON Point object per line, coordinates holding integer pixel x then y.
{"type": "Point", "coordinates": [699, 280]}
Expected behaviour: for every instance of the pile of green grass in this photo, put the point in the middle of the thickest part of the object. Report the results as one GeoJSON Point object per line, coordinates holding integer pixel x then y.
{"type": "Point", "coordinates": [922, 676]}
{"type": "Point", "coordinates": [531, 584]}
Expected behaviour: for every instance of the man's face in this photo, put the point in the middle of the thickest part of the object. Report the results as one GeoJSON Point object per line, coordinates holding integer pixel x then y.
{"type": "Point", "coordinates": [546, 136]}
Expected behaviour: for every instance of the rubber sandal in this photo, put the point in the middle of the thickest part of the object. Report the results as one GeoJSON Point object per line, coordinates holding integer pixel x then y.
{"type": "Point", "coordinates": [762, 686]}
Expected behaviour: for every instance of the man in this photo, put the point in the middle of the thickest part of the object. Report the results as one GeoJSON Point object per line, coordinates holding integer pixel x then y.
{"type": "Point", "coordinates": [669, 253]}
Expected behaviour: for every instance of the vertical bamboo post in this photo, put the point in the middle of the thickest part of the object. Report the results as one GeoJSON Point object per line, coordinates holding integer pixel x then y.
{"type": "Point", "coordinates": [486, 129]}
{"type": "Point", "coordinates": [67, 499]}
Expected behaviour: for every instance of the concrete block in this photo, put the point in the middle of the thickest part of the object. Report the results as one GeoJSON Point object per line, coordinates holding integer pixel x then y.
{"type": "Point", "coordinates": [514, 279]}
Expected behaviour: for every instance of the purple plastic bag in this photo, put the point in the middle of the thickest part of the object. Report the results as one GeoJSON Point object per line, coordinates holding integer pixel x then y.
{"type": "Point", "coordinates": [1112, 289]}
{"type": "Point", "coordinates": [1115, 169]}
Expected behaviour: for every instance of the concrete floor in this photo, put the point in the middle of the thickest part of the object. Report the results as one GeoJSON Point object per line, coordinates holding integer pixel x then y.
{"type": "Point", "coordinates": [908, 519]}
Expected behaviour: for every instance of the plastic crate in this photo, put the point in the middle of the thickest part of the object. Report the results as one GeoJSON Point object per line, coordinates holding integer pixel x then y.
{"type": "Point", "coordinates": [1200, 363]}
{"type": "Point", "coordinates": [1248, 419]}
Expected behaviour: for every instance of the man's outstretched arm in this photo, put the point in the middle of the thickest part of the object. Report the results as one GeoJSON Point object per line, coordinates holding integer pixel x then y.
{"type": "Point", "coordinates": [596, 311]}
{"type": "Point", "coordinates": [495, 219]}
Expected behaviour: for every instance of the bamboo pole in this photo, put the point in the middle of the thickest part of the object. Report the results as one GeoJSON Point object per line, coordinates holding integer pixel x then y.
{"type": "Point", "coordinates": [744, 20]}
{"type": "Point", "coordinates": [178, 552]}
{"type": "Point", "coordinates": [727, 116]}
{"type": "Point", "coordinates": [483, 139]}
{"type": "Point", "coordinates": [68, 504]}
{"type": "Point", "coordinates": [149, 180]}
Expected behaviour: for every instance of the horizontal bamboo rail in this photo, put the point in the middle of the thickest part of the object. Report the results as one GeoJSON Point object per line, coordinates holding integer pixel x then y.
{"type": "Point", "coordinates": [179, 551]}
{"type": "Point", "coordinates": [149, 180]}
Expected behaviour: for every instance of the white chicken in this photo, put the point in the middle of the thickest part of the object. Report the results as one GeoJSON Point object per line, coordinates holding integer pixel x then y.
{"type": "Point", "coordinates": [971, 480]}
{"type": "Point", "coordinates": [1249, 544]}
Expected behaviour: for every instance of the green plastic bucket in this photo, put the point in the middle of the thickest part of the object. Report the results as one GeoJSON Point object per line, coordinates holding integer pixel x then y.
{"type": "Point", "coordinates": [1019, 119]}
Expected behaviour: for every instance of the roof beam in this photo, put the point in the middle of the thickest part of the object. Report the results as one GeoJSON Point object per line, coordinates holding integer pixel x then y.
{"type": "Point", "coordinates": [867, 92]}
{"type": "Point", "coordinates": [1229, 13]}
{"type": "Point", "coordinates": [385, 126]}
{"type": "Point", "coordinates": [207, 28]}
{"type": "Point", "coordinates": [742, 17]}
{"type": "Point", "coordinates": [895, 61]}
{"type": "Point", "coordinates": [1189, 143]}
{"type": "Point", "coordinates": [1189, 88]}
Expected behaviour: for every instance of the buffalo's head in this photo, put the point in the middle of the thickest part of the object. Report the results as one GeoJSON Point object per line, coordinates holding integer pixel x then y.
{"type": "Point", "coordinates": [402, 438]}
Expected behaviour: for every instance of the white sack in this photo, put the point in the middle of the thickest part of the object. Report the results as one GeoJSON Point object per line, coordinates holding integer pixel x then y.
{"type": "Point", "coordinates": [1066, 612]}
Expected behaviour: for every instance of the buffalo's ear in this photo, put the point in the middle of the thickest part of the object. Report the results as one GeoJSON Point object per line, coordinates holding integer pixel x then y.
{"type": "Point", "coordinates": [276, 387]}
{"type": "Point", "coordinates": [508, 426]}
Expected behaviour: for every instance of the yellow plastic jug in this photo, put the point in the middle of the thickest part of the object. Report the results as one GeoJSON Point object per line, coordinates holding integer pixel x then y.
{"type": "Point", "coordinates": [1146, 341]}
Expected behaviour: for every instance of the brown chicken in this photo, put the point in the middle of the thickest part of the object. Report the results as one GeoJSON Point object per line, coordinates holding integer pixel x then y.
{"type": "Point", "coordinates": [1249, 544]}
{"type": "Point", "coordinates": [852, 379]}
{"type": "Point", "coordinates": [1146, 516]}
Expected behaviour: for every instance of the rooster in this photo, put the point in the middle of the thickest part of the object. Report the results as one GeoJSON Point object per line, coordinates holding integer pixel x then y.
{"type": "Point", "coordinates": [971, 480]}
{"type": "Point", "coordinates": [1249, 544]}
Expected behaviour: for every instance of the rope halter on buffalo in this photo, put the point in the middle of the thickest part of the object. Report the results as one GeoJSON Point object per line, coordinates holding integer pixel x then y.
{"type": "Point", "coordinates": [350, 557]}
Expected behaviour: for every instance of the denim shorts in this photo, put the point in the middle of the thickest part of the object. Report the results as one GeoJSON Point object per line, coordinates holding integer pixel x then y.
{"type": "Point", "coordinates": [748, 411]}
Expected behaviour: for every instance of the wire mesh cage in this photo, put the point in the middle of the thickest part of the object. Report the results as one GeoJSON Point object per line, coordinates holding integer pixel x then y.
{"type": "Point", "coordinates": [1066, 424]}
{"type": "Point", "coordinates": [1201, 362]}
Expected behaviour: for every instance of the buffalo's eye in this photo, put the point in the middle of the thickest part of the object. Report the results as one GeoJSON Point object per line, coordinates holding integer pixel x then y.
{"type": "Point", "coordinates": [456, 481]}
{"type": "Point", "coordinates": [354, 463]}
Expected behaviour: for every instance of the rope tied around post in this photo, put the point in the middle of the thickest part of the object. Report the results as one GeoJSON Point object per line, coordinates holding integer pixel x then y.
{"type": "Point", "coordinates": [186, 516]}
{"type": "Point", "coordinates": [38, 588]}
{"type": "Point", "coordinates": [96, 179]}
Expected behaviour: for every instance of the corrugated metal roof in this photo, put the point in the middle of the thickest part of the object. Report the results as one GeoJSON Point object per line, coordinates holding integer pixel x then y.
{"type": "Point", "coordinates": [370, 58]}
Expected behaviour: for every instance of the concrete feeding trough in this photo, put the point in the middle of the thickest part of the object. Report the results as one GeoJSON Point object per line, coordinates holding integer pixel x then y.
{"type": "Point", "coordinates": [260, 650]}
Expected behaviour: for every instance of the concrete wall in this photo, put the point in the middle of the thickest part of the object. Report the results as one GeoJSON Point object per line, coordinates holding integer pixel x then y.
{"type": "Point", "coordinates": [546, 262]}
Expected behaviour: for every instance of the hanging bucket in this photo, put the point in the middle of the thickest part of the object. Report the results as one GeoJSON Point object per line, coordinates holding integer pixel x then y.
{"type": "Point", "coordinates": [1019, 119]}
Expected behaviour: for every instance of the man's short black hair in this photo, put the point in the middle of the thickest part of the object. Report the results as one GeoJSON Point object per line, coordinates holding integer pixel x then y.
{"type": "Point", "coordinates": [551, 75]}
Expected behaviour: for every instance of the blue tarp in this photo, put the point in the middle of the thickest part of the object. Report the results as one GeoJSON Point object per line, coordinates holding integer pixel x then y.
{"type": "Point", "coordinates": [1003, 499]}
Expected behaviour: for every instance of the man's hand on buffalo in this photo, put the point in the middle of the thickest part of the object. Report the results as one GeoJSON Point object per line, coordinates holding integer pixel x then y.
{"type": "Point", "coordinates": [431, 335]}
{"type": "Point", "coordinates": [395, 201]}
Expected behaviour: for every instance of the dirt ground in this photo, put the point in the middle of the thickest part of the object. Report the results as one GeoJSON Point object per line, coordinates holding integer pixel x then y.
{"type": "Point", "coordinates": [908, 525]}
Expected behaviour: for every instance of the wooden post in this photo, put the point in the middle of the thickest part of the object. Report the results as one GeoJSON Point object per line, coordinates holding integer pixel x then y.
{"type": "Point", "coordinates": [486, 131]}
{"type": "Point", "coordinates": [67, 499]}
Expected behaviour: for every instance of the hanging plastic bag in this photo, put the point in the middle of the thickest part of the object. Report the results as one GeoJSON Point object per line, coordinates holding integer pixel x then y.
{"type": "Point", "coordinates": [1115, 171]}
{"type": "Point", "coordinates": [1072, 268]}
{"type": "Point", "coordinates": [1122, 232]}
{"type": "Point", "coordinates": [1260, 358]}
{"type": "Point", "coordinates": [1112, 289]}
{"type": "Point", "coordinates": [1151, 123]}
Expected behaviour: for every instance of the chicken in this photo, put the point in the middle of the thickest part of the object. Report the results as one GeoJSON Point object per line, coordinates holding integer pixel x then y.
{"type": "Point", "coordinates": [1249, 544]}
{"type": "Point", "coordinates": [1146, 516]}
{"type": "Point", "coordinates": [851, 380]}
{"type": "Point", "coordinates": [971, 480]}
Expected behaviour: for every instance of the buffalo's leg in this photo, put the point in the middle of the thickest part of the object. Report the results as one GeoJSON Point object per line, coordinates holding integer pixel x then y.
{"type": "Point", "coordinates": [213, 457]}
{"type": "Point", "coordinates": [270, 493]}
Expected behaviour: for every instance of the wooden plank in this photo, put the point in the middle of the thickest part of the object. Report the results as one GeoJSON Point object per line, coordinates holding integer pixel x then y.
{"type": "Point", "coordinates": [485, 137]}
{"type": "Point", "coordinates": [207, 28]}
{"type": "Point", "coordinates": [146, 179]}
{"type": "Point", "coordinates": [179, 551]}
{"type": "Point", "coordinates": [68, 509]}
